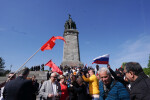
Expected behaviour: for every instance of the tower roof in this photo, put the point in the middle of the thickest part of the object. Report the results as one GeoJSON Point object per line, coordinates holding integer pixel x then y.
{"type": "Point", "coordinates": [70, 24]}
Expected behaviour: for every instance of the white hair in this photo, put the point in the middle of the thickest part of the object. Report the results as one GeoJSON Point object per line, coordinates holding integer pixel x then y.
{"type": "Point", "coordinates": [53, 73]}
{"type": "Point", "coordinates": [104, 69]}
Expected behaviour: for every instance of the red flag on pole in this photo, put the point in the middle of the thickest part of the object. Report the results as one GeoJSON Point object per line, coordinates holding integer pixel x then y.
{"type": "Point", "coordinates": [54, 67]}
{"type": "Point", "coordinates": [59, 37]}
{"type": "Point", "coordinates": [51, 43]}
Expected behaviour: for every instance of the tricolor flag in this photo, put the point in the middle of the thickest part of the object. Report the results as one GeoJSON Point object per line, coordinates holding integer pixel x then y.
{"type": "Point", "coordinates": [102, 59]}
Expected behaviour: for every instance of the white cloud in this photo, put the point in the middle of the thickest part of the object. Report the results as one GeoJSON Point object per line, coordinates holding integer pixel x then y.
{"type": "Point", "coordinates": [134, 50]}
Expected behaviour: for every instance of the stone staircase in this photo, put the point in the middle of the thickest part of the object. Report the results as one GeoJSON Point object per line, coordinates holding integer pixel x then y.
{"type": "Point", "coordinates": [40, 75]}
{"type": "Point", "coordinates": [2, 79]}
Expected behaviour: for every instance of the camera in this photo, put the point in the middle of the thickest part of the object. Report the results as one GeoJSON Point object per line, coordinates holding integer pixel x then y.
{"type": "Point", "coordinates": [83, 71]}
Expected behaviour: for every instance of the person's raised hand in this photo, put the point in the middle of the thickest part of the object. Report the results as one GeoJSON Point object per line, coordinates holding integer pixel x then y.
{"type": "Point", "coordinates": [82, 73]}
{"type": "Point", "coordinates": [108, 66]}
{"type": "Point", "coordinates": [71, 85]}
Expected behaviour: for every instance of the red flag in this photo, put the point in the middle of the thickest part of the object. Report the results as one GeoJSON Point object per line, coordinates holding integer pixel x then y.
{"type": "Point", "coordinates": [51, 43]}
{"type": "Point", "coordinates": [54, 67]}
{"type": "Point", "coordinates": [59, 37]}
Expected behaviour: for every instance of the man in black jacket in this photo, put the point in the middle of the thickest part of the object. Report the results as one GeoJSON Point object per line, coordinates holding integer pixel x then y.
{"type": "Point", "coordinates": [72, 92]}
{"type": "Point", "coordinates": [140, 87]}
{"type": "Point", "coordinates": [20, 88]}
{"type": "Point", "coordinates": [116, 77]}
{"type": "Point", "coordinates": [48, 75]}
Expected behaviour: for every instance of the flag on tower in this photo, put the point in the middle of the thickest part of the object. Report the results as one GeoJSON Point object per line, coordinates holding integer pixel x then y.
{"type": "Point", "coordinates": [54, 67]}
{"type": "Point", "coordinates": [102, 59]}
{"type": "Point", "coordinates": [51, 43]}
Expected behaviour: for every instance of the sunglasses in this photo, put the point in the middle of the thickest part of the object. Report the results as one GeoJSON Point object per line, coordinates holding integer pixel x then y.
{"type": "Point", "coordinates": [54, 76]}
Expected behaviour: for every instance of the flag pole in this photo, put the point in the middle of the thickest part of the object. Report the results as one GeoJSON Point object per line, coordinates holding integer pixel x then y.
{"type": "Point", "coordinates": [27, 60]}
{"type": "Point", "coordinates": [36, 52]}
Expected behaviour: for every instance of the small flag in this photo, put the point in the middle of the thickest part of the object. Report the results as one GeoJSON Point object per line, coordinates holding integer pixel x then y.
{"type": "Point", "coordinates": [102, 59]}
{"type": "Point", "coordinates": [54, 67]}
{"type": "Point", "coordinates": [51, 43]}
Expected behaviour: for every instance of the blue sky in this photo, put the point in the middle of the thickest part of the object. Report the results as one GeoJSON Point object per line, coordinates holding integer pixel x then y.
{"type": "Point", "coordinates": [116, 27]}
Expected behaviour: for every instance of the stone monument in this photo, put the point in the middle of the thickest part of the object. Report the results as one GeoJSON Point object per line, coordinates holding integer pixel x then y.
{"type": "Point", "coordinates": [71, 52]}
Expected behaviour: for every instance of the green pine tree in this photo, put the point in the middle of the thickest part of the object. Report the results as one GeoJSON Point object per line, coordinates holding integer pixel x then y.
{"type": "Point", "coordinates": [149, 62]}
{"type": "Point", "coordinates": [123, 64]}
{"type": "Point", "coordinates": [147, 70]}
{"type": "Point", "coordinates": [2, 62]}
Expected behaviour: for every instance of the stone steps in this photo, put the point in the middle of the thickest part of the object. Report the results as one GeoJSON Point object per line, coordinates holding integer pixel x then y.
{"type": "Point", "coordinates": [3, 79]}
{"type": "Point", "coordinates": [40, 75]}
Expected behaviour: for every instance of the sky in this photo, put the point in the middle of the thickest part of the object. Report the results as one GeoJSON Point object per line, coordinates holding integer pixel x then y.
{"type": "Point", "coordinates": [119, 28]}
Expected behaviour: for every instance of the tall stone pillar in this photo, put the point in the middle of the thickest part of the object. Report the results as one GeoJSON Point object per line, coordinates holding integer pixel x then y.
{"type": "Point", "coordinates": [71, 52]}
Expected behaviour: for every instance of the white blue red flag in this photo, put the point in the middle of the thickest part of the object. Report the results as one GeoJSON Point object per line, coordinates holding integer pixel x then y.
{"type": "Point", "coordinates": [102, 59]}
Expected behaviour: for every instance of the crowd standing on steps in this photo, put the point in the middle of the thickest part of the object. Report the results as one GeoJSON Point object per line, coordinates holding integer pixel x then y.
{"type": "Point", "coordinates": [76, 83]}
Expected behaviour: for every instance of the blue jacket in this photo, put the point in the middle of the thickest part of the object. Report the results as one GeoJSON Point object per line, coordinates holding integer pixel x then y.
{"type": "Point", "coordinates": [117, 92]}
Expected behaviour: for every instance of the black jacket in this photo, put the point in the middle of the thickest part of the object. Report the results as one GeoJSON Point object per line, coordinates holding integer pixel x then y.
{"type": "Point", "coordinates": [140, 89]}
{"type": "Point", "coordinates": [81, 92]}
{"type": "Point", "coordinates": [72, 92]}
{"type": "Point", "coordinates": [18, 89]}
{"type": "Point", "coordinates": [118, 78]}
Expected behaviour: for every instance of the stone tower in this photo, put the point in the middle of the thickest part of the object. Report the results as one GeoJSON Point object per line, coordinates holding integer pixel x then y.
{"type": "Point", "coordinates": [71, 52]}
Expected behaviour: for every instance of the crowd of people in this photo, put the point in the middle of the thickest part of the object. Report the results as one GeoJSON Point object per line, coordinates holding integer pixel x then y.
{"type": "Point", "coordinates": [37, 68]}
{"type": "Point", "coordinates": [76, 83]}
